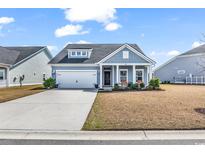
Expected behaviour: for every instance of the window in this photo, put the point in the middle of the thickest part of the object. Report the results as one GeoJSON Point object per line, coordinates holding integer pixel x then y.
{"type": "Point", "coordinates": [44, 77]}
{"type": "Point", "coordinates": [1, 74]}
{"type": "Point", "coordinates": [78, 53]}
{"type": "Point", "coordinates": [84, 53]}
{"type": "Point", "coordinates": [125, 54]}
{"type": "Point", "coordinates": [139, 75]}
{"type": "Point", "coordinates": [123, 75]}
{"type": "Point", "coordinates": [73, 53]}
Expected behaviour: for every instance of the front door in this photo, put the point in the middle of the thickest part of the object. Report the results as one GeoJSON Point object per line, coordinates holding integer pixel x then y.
{"type": "Point", "coordinates": [106, 78]}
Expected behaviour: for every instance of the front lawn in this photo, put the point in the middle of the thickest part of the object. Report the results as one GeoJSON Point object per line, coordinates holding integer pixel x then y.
{"type": "Point", "coordinates": [11, 93]}
{"type": "Point", "coordinates": [178, 107]}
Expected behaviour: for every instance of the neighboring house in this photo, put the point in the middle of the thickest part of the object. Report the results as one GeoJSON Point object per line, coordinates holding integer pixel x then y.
{"type": "Point", "coordinates": [28, 62]}
{"type": "Point", "coordinates": [188, 67]}
{"type": "Point", "coordinates": [84, 65]}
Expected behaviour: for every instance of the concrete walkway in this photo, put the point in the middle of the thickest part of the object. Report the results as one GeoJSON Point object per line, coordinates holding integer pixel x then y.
{"type": "Point", "coordinates": [49, 110]}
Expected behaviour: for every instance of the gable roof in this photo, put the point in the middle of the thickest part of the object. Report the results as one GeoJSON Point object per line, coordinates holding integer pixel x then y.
{"type": "Point", "coordinates": [99, 51]}
{"type": "Point", "coordinates": [195, 51]}
{"type": "Point", "coordinates": [198, 50]}
{"type": "Point", "coordinates": [14, 55]}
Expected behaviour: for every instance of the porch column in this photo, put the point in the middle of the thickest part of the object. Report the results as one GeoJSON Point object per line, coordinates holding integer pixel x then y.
{"type": "Point", "coordinates": [117, 74]}
{"type": "Point", "coordinates": [147, 76]}
{"type": "Point", "coordinates": [7, 77]}
{"type": "Point", "coordinates": [113, 77]}
{"type": "Point", "coordinates": [101, 73]}
{"type": "Point", "coordinates": [133, 74]}
{"type": "Point", "coordinates": [150, 72]}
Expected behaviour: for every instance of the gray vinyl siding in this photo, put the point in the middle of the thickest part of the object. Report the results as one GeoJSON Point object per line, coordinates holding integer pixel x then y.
{"type": "Point", "coordinates": [191, 65]}
{"type": "Point", "coordinates": [33, 70]}
{"type": "Point", "coordinates": [133, 58]}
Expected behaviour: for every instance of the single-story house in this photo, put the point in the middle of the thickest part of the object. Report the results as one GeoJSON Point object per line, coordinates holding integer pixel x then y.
{"type": "Point", "coordinates": [85, 65]}
{"type": "Point", "coordinates": [188, 67]}
{"type": "Point", "coordinates": [28, 64]}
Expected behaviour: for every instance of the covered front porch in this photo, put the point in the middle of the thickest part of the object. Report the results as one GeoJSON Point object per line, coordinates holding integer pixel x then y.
{"type": "Point", "coordinates": [111, 74]}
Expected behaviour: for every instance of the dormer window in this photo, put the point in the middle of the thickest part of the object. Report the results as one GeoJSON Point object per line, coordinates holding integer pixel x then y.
{"type": "Point", "coordinates": [84, 53]}
{"type": "Point", "coordinates": [79, 53]}
{"type": "Point", "coordinates": [73, 53]}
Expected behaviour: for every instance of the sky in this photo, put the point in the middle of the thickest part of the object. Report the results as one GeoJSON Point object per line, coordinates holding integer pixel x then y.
{"type": "Point", "coordinates": [160, 33]}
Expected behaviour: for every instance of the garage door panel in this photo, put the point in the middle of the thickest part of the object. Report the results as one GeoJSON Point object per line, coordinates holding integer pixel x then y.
{"type": "Point", "coordinates": [76, 79]}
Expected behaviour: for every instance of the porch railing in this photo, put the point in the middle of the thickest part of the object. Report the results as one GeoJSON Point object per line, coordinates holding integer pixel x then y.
{"type": "Point", "coordinates": [195, 80]}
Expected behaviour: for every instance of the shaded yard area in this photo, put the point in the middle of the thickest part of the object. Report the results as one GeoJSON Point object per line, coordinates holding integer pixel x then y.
{"type": "Point", "coordinates": [178, 107]}
{"type": "Point", "coordinates": [11, 93]}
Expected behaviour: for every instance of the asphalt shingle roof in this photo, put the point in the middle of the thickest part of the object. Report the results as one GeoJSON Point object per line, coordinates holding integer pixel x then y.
{"type": "Point", "coordinates": [99, 51]}
{"type": "Point", "coordinates": [13, 55]}
{"type": "Point", "coordinates": [197, 50]}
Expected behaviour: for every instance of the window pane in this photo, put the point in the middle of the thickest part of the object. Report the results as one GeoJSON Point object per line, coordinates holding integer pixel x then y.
{"type": "Point", "coordinates": [123, 73]}
{"type": "Point", "coordinates": [78, 53]}
{"type": "Point", "coordinates": [73, 53]}
{"type": "Point", "coordinates": [84, 53]}
{"type": "Point", "coordinates": [139, 76]}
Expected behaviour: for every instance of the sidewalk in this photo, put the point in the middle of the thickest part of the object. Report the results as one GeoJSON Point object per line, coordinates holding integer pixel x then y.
{"type": "Point", "coordinates": [103, 135]}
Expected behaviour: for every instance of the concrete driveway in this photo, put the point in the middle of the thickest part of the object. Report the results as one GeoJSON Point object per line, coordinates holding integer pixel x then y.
{"type": "Point", "coordinates": [49, 110]}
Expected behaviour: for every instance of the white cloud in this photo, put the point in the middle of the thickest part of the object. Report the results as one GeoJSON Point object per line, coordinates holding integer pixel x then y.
{"type": "Point", "coordinates": [142, 35]}
{"type": "Point", "coordinates": [173, 53]}
{"type": "Point", "coordinates": [6, 20]}
{"type": "Point", "coordinates": [78, 42]}
{"type": "Point", "coordinates": [70, 30]}
{"type": "Point", "coordinates": [112, 26]}
{"type": "Point", "coordinates": [83, 42]}
{"type": "Point", "coordinates": [101, 15]}
{"type": "Point", "coordinates": [174, 19]}
{"type": "Point", "coordinates": [53, 49]}
{"type": "Point", "coordinates": [196, 44]}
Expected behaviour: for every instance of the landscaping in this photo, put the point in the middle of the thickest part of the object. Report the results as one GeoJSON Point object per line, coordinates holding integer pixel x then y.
{"type": "Point", "coordinates": [11, 93]}
{"type": "Point", "coordinates": [177, 107]}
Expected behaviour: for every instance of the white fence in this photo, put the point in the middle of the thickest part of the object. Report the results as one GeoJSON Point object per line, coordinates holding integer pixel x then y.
{"type": "Point", "coordinates": [195, 80]}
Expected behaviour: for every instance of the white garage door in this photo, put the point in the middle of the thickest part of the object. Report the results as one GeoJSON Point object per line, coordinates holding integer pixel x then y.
{"type": "Point", "coordinates": [76, 79]}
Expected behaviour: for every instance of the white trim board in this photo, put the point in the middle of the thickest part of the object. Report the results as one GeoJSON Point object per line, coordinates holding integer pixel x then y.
{"type": "Point", "coordinates": [130, 48]}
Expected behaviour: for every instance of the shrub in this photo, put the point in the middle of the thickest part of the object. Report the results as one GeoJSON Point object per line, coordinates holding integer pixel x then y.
{"type": "Point", "coordinates": [154, 83]}
{"type": "Point", "coordinates": [142, 85]}
{"type": "Point", "coordinates": [129, 84]}
{"type": "Point", "coordinates": [133, 86]}
{"type": "Point", "coordinates": [116, 86]}
{"type": "Point", "coordinates": [49, 83]}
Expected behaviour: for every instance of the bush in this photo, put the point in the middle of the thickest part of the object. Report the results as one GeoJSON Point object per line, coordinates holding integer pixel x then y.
{"type": "Point", "coordinates": [129, 84]}
{"type": "Point", "coordinates": [154, 83]}
{"type": "Point", "coordinates": [116, 86]}
{"type": "Point", "coordinates": [49, 83]}
{"type": "Point", "coordinates": [133, 86]}
{"type": "Point", "coordinates": [142, 85]}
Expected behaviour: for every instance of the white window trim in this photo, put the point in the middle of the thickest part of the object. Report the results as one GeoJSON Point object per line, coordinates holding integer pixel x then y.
{"type": "Point", "coordinates": [120, 74]}
{"type": "Point", "coordinates": [125, 54]}
{"type": "Point", "coordinates": [142, 74]}
{"type": "Point", "coordinates": [3, 74]}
